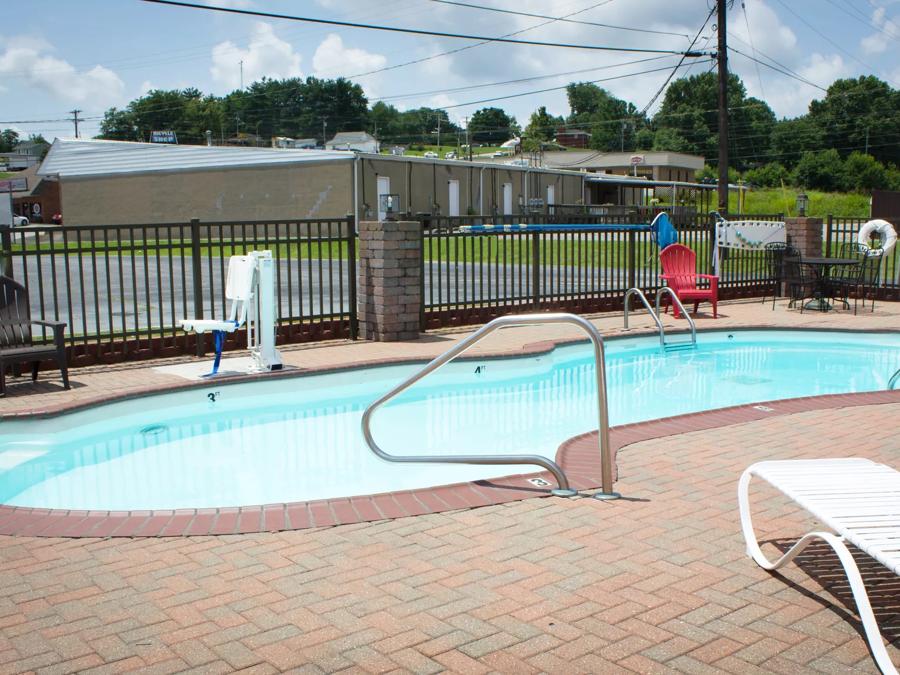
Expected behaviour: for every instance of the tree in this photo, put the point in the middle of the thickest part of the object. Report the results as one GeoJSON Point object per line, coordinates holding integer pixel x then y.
{"type": "Point", "coordinates": [187, 112]}
{"type": "Point", "coordinates": [860, 114]}
{"type": "Point", "coordinates": [823, 170]}
{"type": "Point", "coordinates": [8, 140]}
{"type": "Point", "coordinates": [690, 106]}
{"type": "Point", "coordinates": [863, 173]}
{"type": "Point", "coordinates": [669, 140]}
{"type": "Point", "coordinates": [791, 138]}
{"type": "Point", "coordinates": [492, 126]}
{"type": "Point", "coordinates": [768, 175]}
{"type": "Point", "coordinates": [542, 125]}
{"type": "Point", "coordinates": [612, 122]}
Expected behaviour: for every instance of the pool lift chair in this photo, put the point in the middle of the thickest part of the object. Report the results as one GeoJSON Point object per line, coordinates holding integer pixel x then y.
{"type": "Point", "coordinates": [250, 286]}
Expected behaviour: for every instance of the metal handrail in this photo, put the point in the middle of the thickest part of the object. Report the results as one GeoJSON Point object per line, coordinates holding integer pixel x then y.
{"type": "Point", "coordinates": [677, 301]}
{"type": "Point", "coordinates": [894, 379]}
{"type": "Point", "coordinates": [637, 291]}
{"type": "Point", "coordinates": [564, 490]}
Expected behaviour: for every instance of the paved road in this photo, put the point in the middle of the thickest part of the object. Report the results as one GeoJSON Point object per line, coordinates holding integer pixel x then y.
{"type": "Point", "coordinates": [125, 294]}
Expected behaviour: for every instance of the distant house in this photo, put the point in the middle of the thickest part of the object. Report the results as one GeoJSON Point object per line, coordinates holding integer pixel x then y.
{"type": "Point", "coordinates": [286, 143]}
{"type": "Point", "coordinates": [25, 155]}
{"type": "Point", "coordinates": [573, 138]}
{"type": "Point", "coordinates": [353, 140]}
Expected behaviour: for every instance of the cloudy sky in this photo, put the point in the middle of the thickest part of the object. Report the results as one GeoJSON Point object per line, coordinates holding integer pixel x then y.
{"type": "Point", "coordinates": [58, 55]}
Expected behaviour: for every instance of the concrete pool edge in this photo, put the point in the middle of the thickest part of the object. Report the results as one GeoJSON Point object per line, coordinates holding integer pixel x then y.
{"type": "Point", "coordinates": [528, 349]}
{"type": "Point", "coordinates": [578, 456]}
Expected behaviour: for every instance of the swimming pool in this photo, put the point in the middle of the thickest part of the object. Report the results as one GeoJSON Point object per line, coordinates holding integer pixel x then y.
{"type": "Point", "coordinates": [299, 439]}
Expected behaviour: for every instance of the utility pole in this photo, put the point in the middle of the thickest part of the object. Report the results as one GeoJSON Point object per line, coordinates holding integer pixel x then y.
{"type": "Point", "coordinates": [468, 145]}
{"type": "Point", "coordinates": [722, 58]}
{"type": "Point", "coordinates": [75, 119]}
{"type": "Point", "coordinates": [324, 126]}
{"type": "Point", "coordinates": [867, 140]}
{"type": "Point", "coordinates": [439, 135]}
{"type": "Point", "coordinates": [241, 62]}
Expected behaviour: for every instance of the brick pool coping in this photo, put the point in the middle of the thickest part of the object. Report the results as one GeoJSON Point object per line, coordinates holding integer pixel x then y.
{"type": "Point", "coordinates": [578, 456]}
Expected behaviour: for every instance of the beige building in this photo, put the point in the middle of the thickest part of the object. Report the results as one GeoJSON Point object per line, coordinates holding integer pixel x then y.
{"type": "Point", "coordinates": [653, 165]}
{"type": "Point", "coordinates": [115, 182]}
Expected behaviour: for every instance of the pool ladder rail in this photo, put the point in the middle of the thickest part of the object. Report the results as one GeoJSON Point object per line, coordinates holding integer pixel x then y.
{"type": "Point", "coordinates": [892, 383]}
{"type": "Point", "coordinates": [667, 346]}
{"type": "Point", "coordinates": [564, 489]}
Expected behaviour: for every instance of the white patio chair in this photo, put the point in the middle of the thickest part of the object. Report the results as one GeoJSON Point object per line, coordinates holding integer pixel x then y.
{"type": "Point", "coordinates": [858, 499]}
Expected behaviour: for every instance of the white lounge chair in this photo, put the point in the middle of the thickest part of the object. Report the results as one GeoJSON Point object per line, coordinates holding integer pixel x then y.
{"type": "Point", "coordinates": [858, 499]}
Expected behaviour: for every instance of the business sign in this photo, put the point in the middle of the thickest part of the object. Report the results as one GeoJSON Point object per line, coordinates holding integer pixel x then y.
{"type": "Point", "coordinates": [637, 159]}
{"type": "Point", "coordinates": [13, 184]}
{"type": "Point", "coordinates": [163, 137]}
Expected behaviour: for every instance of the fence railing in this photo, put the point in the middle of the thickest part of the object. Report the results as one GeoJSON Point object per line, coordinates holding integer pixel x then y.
{"type": "Point", "coordinates": [842, 231]}
{"type": "Point", "coordinates": [122, 289]}
{"type": "Point", "coordinates": [471, 277]}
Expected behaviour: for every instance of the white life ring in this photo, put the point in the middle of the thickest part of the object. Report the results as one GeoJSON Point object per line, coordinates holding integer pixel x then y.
{"type": "Point", "coordinates": [885, 232]}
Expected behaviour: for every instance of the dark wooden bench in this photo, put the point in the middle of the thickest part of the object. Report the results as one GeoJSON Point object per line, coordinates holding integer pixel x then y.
{"type": "Point", "coordinates": [16, 345]}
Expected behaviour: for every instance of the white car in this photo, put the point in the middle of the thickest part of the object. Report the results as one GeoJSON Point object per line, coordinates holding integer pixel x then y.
{"type": "Point", "coordinates": [19, 221]}
{"type": "Point", "coordinates": [450, 155]}
{"type": "Point", "coordinates": [430, 154]}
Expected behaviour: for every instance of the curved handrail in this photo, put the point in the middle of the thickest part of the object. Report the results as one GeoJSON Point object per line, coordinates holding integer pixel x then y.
{"type": "Point", "coordinates": [548, 464]}
{"type": "Point", "coordinates": [637, 291]}
{"type": "Point", "coordinates": [894, 379]}
{"type": "Point", "coordinates": [677, 301]}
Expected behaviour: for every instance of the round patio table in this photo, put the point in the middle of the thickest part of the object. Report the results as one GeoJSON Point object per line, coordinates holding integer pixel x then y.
{"type": "Point", "coordinates": [821, 268]}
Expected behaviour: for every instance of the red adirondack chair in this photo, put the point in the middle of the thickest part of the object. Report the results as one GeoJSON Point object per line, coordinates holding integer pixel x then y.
{"type": "Point", "coordinates": [679, 265]}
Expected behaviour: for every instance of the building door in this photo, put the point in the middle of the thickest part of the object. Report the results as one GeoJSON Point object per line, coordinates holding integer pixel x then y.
{"type": "Point", "coordinates": [453, 190]}
{"type": "Point", "coordinates": [384, 188]}
{"type": "Point", "coordinates": [507, 199]}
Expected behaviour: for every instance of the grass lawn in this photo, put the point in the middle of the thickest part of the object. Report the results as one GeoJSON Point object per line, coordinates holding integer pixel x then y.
{"type": "Point", "coordinates": [445, 148]}
{"type": "Point", "coordinates": [821, 204]}
{"type": "Point", "coordinates": [6, 174]}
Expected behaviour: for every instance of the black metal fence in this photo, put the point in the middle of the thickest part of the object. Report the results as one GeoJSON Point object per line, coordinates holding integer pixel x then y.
{"type": "Point", "coordinates": [841, 231]}
{"type": "Point", "coordinates": [122, 289]}
{"type": "Point", "coordinates": [469, 277]}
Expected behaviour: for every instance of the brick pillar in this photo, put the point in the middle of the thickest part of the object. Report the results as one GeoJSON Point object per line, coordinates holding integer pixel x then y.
{"type": "Point", "coordinates": [805, 234]}
{"type": "Point", "coordinates": [390, 268]}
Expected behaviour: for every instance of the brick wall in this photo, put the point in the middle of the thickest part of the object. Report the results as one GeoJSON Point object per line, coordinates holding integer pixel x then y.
{"type": "Point", "coordinates": [805, 234]}
{"type": "Point", "coordinates": [389, 287]}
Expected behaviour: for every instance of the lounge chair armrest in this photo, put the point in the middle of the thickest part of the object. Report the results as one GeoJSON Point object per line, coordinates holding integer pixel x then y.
{"type": "Point", "coordinates": [49, 324]}
{"type": "Point", "coordinates": [58, 327]}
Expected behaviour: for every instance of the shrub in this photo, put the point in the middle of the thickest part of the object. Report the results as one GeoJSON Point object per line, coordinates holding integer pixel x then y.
{"type": "Point", "coordinates": [823, 170]}
{"type": "Point", "coordinates": [769, 175]}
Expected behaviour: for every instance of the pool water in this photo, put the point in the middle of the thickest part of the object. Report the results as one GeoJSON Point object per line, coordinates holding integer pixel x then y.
{"type": "Point", "coordinates": [299, 439]}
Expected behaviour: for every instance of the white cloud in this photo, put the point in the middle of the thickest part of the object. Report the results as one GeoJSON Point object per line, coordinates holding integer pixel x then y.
{"type": "Point", "coordinates": [266, 55]}
{"type": "Point", "coordinates": [879, 42]}
{"type": "Point", "coordinates": [333, 59]}
{"type": "Point", "coordinates": [30, 60]}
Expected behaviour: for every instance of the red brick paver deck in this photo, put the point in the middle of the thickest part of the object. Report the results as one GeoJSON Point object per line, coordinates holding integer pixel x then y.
{"type": "Point", "coordinates": [655, 582]}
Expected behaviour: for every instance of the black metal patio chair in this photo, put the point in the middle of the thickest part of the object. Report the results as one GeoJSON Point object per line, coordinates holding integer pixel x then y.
{"type": "Point", "coordinates": [844, 279]}
{"type": "Point", "coordinates": [798, 280]}
{"type": "Point", "coordinates": [16, 343]}
{"type": "Point", "coordinates": [775, 253]}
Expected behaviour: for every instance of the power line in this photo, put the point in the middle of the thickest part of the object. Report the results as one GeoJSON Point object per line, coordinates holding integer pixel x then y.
{"type": "Point", "coordinates": [864, 21]}
{"type": "Point", "coordinates": [828, 39]}
{"type": "Point", "coordinates": [779, 70]}
{"type": "Point", "coordinates": [762, 90]}
{"type": "Point", "coordinates": [541, 91]}
{"type": "Point", "coordinates": [544, 16]}
{"type": "Point", "coordinates": [415, 31]}
{"type": "Point", "coordinates": [675, 69]}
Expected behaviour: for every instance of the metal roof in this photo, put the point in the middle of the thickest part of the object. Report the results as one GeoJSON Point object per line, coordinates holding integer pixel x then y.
{"type": "Point", "coordinates": [631, 181]}
{"type": "Point", "coordinates": [75, 157]}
